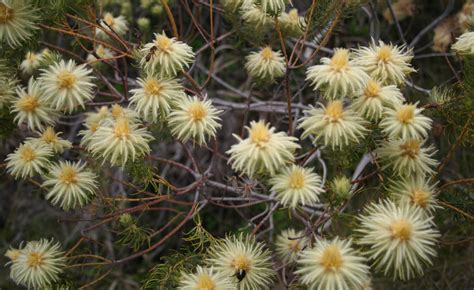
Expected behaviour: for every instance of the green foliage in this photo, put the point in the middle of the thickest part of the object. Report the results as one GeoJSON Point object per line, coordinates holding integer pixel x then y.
{"type": "Point", "coordinates": [140, 172]}
{"type": "Point", "coordinates": [6, 121]}
{"type": "Point", "coordinates": [132, 234]}
{"type": "Point", "coordinates": [166, 274]}
{"type": "Point", "coordinates": [199, 237]}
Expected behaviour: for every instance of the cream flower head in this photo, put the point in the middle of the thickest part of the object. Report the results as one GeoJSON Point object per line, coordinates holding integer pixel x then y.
{"type": "Point", "coordinates": [332, 265]}
{"type": "Point", "coordinates": [405, 121]}
{"type": "Point", "coordinates": [50, 138]}
{"type": "Point", "coordinates": [243, 259]}
{"type": "Point", "coordinates": [155, 97]}
{"type": "Point", "coordinates": [17, 21]}
{"type": "Point", "coordinates": [333, 125]}
{"type": "Point", "coordinates": [337, 76]}
{"type": "Point", "coordinates": [31, 108]}
{"type": "Point", "coordinates": [415, 190]}
{"type": "Point", "coordinates": [266, 64]}
{"type": "Point", "coordinates": [28, 159]}
{"type": "Point", "coordinates": [70, 185]}
{"type": "Point", "coordinates": [263, 151]}
{"type": "Point", "coordinates": [31, 62]}
{"type": "Point", "coordinates": [92, 123]}
{"type": "Point", "coordinates": [291, 23]}
{"type": "Point", "coordinates": [400, 240]}
{"type": "Point", "coordinates": [255, 18]}
{"type": "Point", "coordinates": [289, 245]}
{"type": "Point", "coordinates": [7, 90]}
{"type": "Point", "coordinates": [67, 85]}
{"type": "Point", "coordinates": [374, 97]}
{"type": "Point", "coordinates": [104, 54]}
{"type": "Point", "coordinates": [38, 264]}
{"type": "Point", "coordinates": [118, 141]}
{"type": "Point", "coordinates": [390, 64]}
{"type": "Point", "coordinates": [118, 24]}
{"type": "Point", "coordinates": [341, 186]}
{"type": "Point", "coordinates": [205, 279]}
{"type": "Point", "coordinates": [232, 6]}
{"type": "Point", "coordinates": [464, 43]}
{"type": "Point", "coordinates": [297, 185]}
{"type": "Point", "coordinates": [407, 156]}
{"type": "Point", "coordinates": [272, 7]}
{"type": "Point", "coordinates": [194, 119]}
{"type": "Point", "coordinates": [166, 56]}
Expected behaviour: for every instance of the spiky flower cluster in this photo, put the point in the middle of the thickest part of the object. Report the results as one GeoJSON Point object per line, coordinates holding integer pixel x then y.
{"type": "Point", "coordinates": [28, 159]}
{"type": "Point", "coordinates": [400, 239]}
{"type": "Point", "coordinates": [155, 97]}
{"type": "Point", "coordinates": [332, 265]}
{"type": "Point", "coordinates": [337, 76]}
{"type": "Point", "coordinates": [32, 108]}
{"type": "Point", "coordinates": [120, 140]}
{"type": "Point", "coordinates": [243, 257]}
{"type": "Point", "coordinates": [296, 185]}
{"type": "Point", "coordinates": [37, 265]}
{"type": "Point", "coordinates": [387, 63]}
{"type": "Point", "coordinates": [17, 21]}
{"type": "Point", "coordinates": [333, 125]}
{"type": "Point", "coordinates": [205, 279]}
{"type": "Point", "coordinates": [465, 43]}
{"type": "Point", "coordinates": [265, 64]}
{"type": "Point", "coordinates": [289, 245]}
{"type": "Point", "coordinates": [117, 25]}
{"type": "Point", "coordinates": [70, 185]}
{"type": "Point", "coordinates": [166, 56]}
{"type": "Point", "coordinates": [263, 151]}
{"type": "Point", "coordinates": [195, 120]}
{"type": "Point", "coordinates": [67, 85]}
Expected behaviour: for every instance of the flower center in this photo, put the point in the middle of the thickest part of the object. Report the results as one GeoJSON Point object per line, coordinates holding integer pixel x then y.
{"type": "Point", "coordinates": [197, 111]}
{"type": "Point", "coordinates": [122, 129]}
{"type": "Point", "coordinates": [35, 260]}
{"type": "Point", "coordinates": [340, 59]}
{"type": "Point", "coordinates": [401, 230]}
{"type": "Point", "coordinates": [372, 89]}
{"type": "Point", "coordinates": [259, 134]}
{"type": "Point", "coordinates": [163, 43]}
{"type": "Point", "coordinates": [69, 175]}
{"type": "Point", "coordinates": [294, 246]}
{"type": "Point", "coordinates": [205, 283]}
{"type": "Point", "coordinates": [31, 56]}
{"type": "Point", "coordinates": [293, 15]}
{"type": "Point", "coordinates": [28, 104]}
{"type": "Point", "coordinates": [49, 136]}
{"type": "Point", "coordinates": [297, 179]}
{"type": "Point", "coordinates": [406, 114]}
{"type": "Point", "coordinates": [6, 13]}
{"type": "Point", "coordinates": [241, 263]}
{"type": "Point", "coordinates": [100, 51]}
{"type": "Point", "coordinates": [331, 258]}
{"type": "Point", "coordinates": [385, 54]}
{"type": "Point", "coordinates": [117, 111]}
{"type": "Point", "coordinates": [109, 19]}
{"type": "Point", "coordinates": [267, 53]}
{"type": "Point", "coordinates": [334, 111]}
{"type": "Point", "coordinates": [94, 126]}
{"type": "Point", "coordinates": [411, 148]}
{"type": "Point", "coordinates": [66, 80]}
{"type": "Point", "coordinates": [27, 153]}
{"type": "Point", "coordinates": [152, 87]}
{"type": "Point", "coordinates": [420, 198]}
